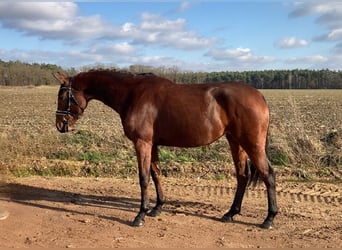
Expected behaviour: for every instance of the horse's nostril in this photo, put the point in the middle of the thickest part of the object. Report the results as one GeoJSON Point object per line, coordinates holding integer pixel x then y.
{"type": "Point", "coordinates": [58, 126]}
{"type": "Point", "coordinates": [62, 126]}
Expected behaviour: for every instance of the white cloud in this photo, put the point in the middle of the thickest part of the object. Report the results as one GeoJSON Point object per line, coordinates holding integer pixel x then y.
{"type": "Point", "coordinates": [120, 54]}
{"type": "Point", "coordinates": [329, 14]}
{"type": "Point", "coordinates": [101, 42]}
{"type": "Point", "coordinates": [156, 30]}
{"type": "Point", "coordinates": [184, 6]}
{"type": "Point", "coordinates": [308, 59]}
{"type": "Point", "coordinates": [332, 62]}
{"type": "Point", "coordinates": [13, 10]}
{"type": "Point", "coordinates": [59, 21]}
{"type": "Point", "coordinates": [322, 7]}
{"type": "Point", "coordinates": [51, 20]}
{"type": "Point", "coordinates": [151, 22]}
{"type": "Point", "coordinates": [110, 55]}
{"type": "Point", "coordinates": [29, 56]}
{"type": "Point", "coordinates": [241, 55]}
{"type": "Point", "coordinates": [114, 49]}
{"type": "Point", "coordinates": [291, 42]}
{"type": "Point", "coordinates": [115, 52]}
{"type": "Point", "coordinates": [237, 59]}
{"type": "Point", "coordinates": [332, 35]}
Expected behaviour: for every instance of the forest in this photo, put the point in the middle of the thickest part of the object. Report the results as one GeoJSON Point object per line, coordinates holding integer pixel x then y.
{"type": "Point", "coordinates": [16, 73]}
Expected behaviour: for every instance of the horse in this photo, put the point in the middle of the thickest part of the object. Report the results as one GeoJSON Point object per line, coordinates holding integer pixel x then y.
{"type": "Point", "coordinates": [155, 111]}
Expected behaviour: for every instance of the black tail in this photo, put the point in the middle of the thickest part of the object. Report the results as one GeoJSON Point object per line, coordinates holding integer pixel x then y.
{"type": "Point", "coordinates": [253, 174]}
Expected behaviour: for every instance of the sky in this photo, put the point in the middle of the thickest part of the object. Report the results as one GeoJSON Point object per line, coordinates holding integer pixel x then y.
{"type": "Point", "coordinates": [190, 35]}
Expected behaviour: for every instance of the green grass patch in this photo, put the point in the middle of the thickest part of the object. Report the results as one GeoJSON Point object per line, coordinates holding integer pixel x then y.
{"type": "Point", "coordinates": [279, 158]}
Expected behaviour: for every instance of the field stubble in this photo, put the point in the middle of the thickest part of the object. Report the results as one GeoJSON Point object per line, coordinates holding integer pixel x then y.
{"type": "Point", "coordinates": [305, 139]}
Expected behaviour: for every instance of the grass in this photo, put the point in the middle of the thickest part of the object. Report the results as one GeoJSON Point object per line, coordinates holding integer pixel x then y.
{"type": "Point", "coordinates": [305, 139]}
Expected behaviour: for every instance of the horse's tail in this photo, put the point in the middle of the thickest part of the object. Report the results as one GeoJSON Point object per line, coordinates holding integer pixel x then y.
{"type": "Point", "coordinates": [253, 174]}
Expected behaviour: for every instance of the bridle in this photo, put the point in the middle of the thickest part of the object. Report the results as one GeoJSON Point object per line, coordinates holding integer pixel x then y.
{"type": "Point", "coordinates": [71, 99]}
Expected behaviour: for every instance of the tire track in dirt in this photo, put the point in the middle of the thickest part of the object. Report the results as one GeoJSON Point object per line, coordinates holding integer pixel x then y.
{"type": "Point", "coordinates": [296, 201]}
{"type": "Point", "coordinates": [294, 194]}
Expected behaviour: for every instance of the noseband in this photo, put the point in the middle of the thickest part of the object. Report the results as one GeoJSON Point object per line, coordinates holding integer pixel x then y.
{"type": "Point", "coordinates": [71, 98]}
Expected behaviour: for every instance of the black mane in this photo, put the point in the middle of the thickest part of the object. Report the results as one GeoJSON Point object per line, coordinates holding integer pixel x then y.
{"type": "Point", "coordinates": [121, 73]}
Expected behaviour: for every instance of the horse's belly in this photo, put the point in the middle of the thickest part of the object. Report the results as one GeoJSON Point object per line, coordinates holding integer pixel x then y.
{"type": "Point", "coordinates": [193, 136]}
{"type": "Point", "coordinates": [186, 125]}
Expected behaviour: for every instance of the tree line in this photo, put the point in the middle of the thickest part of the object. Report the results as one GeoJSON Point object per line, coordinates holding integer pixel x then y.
{"type": "Point", "coordinates": [16, 73]}
{"type": "Point", "coordinates": [266, 79]}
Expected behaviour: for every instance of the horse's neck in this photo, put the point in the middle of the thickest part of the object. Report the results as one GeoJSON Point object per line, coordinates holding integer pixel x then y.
{"type": "Point", "coordinates": [111, 91]}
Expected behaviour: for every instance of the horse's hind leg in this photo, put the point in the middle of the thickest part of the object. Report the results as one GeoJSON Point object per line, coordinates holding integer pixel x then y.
{"type": "Point", "coordinates": [242, 175]}
{"type": "Point", "coordinates": [266, 173]}
{"type": "Point", "coordinates": [156, 176]}
{"type": "Point", "coordinates": [271, 196]}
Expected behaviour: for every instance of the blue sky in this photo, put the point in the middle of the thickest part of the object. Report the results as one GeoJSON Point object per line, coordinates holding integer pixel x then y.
{"type": "Point", "coordinates": [192, 35]}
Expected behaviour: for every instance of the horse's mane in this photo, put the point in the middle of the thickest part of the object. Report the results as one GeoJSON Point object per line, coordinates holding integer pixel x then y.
{"type": "Point", "coordinates": [119, 73]}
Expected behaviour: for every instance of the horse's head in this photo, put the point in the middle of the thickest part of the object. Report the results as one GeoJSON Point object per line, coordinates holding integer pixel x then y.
{"type": "Point", "coordinates": [71, 103]}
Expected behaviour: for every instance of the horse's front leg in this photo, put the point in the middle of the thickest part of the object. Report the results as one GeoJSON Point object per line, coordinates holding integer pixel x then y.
{"type": "Point", "coordinates": [156, 177]}
{"type": "Point", "coordinates": [143, 151]}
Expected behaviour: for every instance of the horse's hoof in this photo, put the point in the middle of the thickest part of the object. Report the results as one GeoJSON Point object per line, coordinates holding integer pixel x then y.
{"type": "Point", "coordinates": [154, 213]}
{"type": "Point", "coordinates": [226, 218]}
{"type": "Point", "coordinates": [138, 223]}
{"type": "Point", "coordinates": [267, 225]}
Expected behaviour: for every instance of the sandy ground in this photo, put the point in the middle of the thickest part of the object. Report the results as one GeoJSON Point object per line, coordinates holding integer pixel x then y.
{"type": "Point", "coordinates": [90, 212]}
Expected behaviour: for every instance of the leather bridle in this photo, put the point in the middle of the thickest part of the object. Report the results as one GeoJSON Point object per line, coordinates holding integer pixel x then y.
{"type": "Point", "coordinates": [71, 99]}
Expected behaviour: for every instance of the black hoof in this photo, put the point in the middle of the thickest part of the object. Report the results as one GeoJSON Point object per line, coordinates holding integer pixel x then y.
{"type": "Point", "coordinates": [226, 218]}
{"type": "Point", "coordinates": [138, 223]}
{"type": "Point", "coordinates": [267, 225]}
{"type": "Point", "coordinates": [154, 212]}
{"type": "Point", "coordinates": [139, 220]}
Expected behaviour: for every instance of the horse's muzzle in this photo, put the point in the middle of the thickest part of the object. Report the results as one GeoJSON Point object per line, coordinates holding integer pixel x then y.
{"type": "Point", "coordinates": [62, 127]}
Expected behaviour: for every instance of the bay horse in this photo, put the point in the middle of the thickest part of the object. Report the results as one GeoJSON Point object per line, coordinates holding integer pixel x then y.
{"type": "Point", "coordinates": [155, 111]}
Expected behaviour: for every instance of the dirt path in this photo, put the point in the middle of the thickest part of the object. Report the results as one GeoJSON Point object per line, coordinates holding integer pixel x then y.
{"type": "Point", "coordinates": [88, 212]}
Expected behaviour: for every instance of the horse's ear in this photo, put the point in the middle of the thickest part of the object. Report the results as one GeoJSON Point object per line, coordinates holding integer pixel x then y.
{"type": "Point", "coordinates": [62, 78]}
